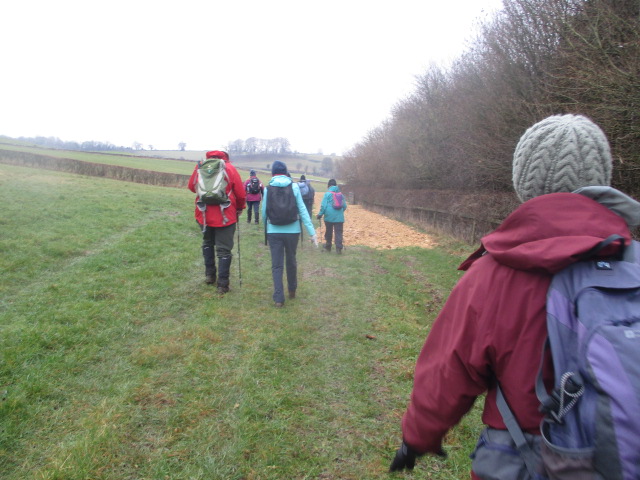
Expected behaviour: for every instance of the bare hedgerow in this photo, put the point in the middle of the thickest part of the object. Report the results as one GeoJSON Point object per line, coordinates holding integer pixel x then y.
{"type": "Point", "coordinates": [533, 59]}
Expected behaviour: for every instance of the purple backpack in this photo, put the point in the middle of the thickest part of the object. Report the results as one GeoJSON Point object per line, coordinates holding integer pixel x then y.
{"type": "Point", "coordinates": [591, 428]}
{"type": "Point", "coordinates": [592, 420]}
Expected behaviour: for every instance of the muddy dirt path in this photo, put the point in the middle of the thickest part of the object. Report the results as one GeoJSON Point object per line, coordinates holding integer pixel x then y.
{"type": "Point", "coordinates": [362, 227]}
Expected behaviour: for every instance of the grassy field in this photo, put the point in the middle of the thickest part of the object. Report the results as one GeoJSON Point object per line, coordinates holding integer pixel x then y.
{"type": "Point", "coordinates": [167, 165]}
{"type": "Point", "coordinates": [145, 163]}
{"type": "Point", "coordinates": [118, 362]}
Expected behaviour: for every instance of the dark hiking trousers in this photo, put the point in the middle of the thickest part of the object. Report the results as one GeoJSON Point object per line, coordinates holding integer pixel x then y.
{"type": "Point", "coordinates": [332, 227]}
{"type": "Point", "coordinates": [283, 251]}
{"type": "Point", "coordinates": [309, 205]}
{"type": "Point", "coordinates": [220, 238]}
{"type": "Point", "coordinates": [255, 207]}
{"type": "Point", "coordinates": [217, 242]}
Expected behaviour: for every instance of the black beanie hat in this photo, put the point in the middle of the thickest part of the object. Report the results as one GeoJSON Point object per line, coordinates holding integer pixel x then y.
{"type": "Point", "coordinates": [278, 168]}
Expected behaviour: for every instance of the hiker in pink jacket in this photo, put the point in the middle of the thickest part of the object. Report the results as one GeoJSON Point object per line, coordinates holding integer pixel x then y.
{"type": "Point", "coordinates": [493, 325]}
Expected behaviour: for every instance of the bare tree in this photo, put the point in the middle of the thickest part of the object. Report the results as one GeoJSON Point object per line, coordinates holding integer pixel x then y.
{"type": "Point", "coordinates": [533, 59]}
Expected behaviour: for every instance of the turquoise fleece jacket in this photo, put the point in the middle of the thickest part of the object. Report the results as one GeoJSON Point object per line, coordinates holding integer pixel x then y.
{"type": "Point", "coordinates": [332, 215]}
{"type": "Point", "coordinates": [283, 181]}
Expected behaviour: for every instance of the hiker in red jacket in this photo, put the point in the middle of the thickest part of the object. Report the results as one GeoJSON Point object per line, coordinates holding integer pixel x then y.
{"type": "Point", "coordinates": [217, 238]}
{"type": "Point", "coordinates": [493, 326]}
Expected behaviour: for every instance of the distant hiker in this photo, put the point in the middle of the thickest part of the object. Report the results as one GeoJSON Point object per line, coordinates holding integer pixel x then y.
{"type": "Point", "coordinates": [284, 211]}
{"type": "Point", "coordinates": [332, 207]}
{"type": "Point", "coordinates": [218, 221]}
{"type": "Point", "coordinates": [492, 328]}
{"type": "Point", "coordinates": [307, 192]}
{"type": "Point", "coordinates": [255, 190]}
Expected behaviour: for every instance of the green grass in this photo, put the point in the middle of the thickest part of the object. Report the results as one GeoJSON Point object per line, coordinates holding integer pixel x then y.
{"type": "Point", "coordinates": [118, 362]}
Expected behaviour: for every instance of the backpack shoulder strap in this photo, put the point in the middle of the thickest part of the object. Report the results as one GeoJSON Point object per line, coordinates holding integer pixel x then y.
{"type": "Point", "coordinates": [528, 455]}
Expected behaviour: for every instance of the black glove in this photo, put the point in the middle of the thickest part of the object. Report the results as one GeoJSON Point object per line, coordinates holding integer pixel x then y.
{"type": "Point", "coordinates": [318, 216]}
{"type": "Point", "coordinates": [405, 458]}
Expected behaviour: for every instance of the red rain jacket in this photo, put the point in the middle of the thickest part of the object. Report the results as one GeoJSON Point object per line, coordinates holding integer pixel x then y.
{"type": "Point", "coordinates": [237, 195]}
{"type": "Point", "coordinates": [493, 324]}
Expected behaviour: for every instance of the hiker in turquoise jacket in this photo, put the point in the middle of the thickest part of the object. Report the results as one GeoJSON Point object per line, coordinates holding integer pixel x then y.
{"type": "Point", "coordinates": [283, 239]}
{"type": "Point", "coordinates": [333, 217]}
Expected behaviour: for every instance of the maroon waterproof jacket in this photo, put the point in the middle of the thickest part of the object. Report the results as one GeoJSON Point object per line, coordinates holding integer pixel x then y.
{"type": "Point", "coordinates": [253, 197]}
{"type": "Point", "coordinates": [493, 324]}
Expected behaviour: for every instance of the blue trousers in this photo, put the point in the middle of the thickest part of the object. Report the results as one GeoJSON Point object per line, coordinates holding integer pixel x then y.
{"type": "Point", "coordinates": [283, 252]}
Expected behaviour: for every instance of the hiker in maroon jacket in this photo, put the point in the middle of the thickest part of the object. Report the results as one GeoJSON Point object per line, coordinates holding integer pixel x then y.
{"type": "Point", "coordinates": [220, 224]}
{"type": "Point", "coordinates": [253, 198]}
{"type": "Point", "coordinates": [493, 325]}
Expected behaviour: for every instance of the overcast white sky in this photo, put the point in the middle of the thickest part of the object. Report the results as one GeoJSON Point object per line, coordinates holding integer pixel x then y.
{"type": "Point", "coordinates": [321, 74]}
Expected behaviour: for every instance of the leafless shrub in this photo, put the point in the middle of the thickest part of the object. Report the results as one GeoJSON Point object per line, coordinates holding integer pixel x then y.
{"type": "Point", "coordinates": [535, 58]}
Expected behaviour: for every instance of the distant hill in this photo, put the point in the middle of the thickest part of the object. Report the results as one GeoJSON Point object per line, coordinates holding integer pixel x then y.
{"type": "Point", "coordinates": [297, 163]}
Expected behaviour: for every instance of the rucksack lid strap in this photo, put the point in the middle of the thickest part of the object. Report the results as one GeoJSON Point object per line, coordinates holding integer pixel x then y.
{"type": "Point", "coordinates": [604, 244]}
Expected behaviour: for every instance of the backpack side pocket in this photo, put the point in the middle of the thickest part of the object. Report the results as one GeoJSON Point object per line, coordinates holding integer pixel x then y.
{"type": "Point", "coordinates": [497, 458]}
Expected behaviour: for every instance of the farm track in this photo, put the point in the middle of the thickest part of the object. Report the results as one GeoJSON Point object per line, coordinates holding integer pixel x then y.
{"type": "Point", "coordinates": [362, 227]}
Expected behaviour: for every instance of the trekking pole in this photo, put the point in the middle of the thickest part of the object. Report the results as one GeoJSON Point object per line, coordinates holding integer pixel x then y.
{"type": "Point", "coordinates": [239, 268]}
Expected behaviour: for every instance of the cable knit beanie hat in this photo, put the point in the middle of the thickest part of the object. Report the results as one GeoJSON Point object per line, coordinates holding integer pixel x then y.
{"type": "Point", "coordinates": [561, 154]}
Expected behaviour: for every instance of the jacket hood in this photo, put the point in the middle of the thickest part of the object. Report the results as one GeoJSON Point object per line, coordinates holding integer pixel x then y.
{"type": "Point", "coordinates": [550, 232]}
{"type": "Point", "coordinates": [280, 181]}
{"type": "Point", "coordinates": [217, 154]}
{"type": "Point", "coordinates": [334, 188]}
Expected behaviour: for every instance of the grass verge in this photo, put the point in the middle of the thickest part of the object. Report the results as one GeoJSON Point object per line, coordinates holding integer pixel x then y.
{"type": "Point", "coordinates": [118, 362]}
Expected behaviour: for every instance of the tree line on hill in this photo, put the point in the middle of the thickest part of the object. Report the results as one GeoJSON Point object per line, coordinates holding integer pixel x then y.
{"type": "Point", "coordinates": [534, 58]}
{"type": "Point", "coordinates": [266, 146]}
{"type": "Point", "coordinates": [88, 146]}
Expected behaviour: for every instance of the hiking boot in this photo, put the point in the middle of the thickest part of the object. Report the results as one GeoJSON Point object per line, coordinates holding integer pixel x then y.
{"type": "Point", "coordinates": [279, 304]}
{"type": "Point", "coordinates": [339, 251]}
{"type": "Point", "coordinates": [326, 247]}
{"type": "Point", "coordinates": [292, 294]}
{"type": "Point", "coordinates": [223, 289]}
{"type": "Point", "coordinates": [210, 279]}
